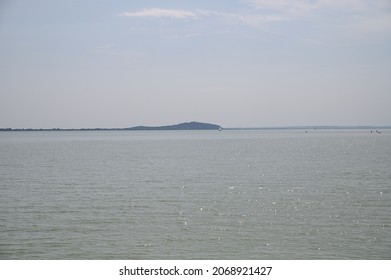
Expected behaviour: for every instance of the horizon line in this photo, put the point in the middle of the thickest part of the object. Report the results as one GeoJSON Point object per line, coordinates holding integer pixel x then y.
{"type": "Point", "coordinates": [291, 127]}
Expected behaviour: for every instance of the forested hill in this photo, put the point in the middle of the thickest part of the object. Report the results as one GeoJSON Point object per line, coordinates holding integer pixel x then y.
{"type": "Point", "coordinates": [181, 126]}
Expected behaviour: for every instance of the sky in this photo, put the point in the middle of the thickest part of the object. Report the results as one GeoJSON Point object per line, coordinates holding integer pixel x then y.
{"type": "Point", "coordinates": [236, 63]}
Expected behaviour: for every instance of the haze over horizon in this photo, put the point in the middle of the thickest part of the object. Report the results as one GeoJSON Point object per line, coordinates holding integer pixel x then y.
{"type": "Point", "coordinates": [243, 63]}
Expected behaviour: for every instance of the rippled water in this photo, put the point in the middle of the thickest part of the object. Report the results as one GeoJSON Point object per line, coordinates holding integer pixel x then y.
{"type": "Point", "coordinates": [195, 195]}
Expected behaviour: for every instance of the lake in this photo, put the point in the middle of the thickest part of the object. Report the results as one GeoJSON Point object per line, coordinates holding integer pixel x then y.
{"type": "Point", "coordinates": [234, 194]}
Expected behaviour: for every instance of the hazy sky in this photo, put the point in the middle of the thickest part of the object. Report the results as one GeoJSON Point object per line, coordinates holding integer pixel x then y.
{"type": "Point", "coordinates": [120, 63]}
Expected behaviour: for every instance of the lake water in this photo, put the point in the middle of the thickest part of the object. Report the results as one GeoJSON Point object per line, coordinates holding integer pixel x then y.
{"type": "Point", "coordinates": [325, 194]}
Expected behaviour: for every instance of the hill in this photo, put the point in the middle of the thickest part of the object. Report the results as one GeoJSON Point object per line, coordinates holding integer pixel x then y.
{"type": "Point", "coordinates": [181, 126]}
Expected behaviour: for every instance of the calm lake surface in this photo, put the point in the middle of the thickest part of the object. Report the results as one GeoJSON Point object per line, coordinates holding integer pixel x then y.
{"type": "Point", "coordinates": [325, 194]}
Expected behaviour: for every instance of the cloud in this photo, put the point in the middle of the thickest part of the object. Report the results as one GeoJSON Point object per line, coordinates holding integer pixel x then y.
{"type": "Point", "coordinates": [352, 14]}
{"type": "Point", "coordinates": [301, 7]}
{"type": "Point", "coordinates": [304, 5]}
{"type": "Point", "coordinates": [365, 15]}
{"type": "Point", "coordinates": [161, 13]}
{"type": "Point", "coordinates": [253, 20]}
{"type": "Point", "coordinates": [283, 6]}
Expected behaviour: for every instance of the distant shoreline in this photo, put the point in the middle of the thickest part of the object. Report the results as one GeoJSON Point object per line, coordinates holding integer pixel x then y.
{"type": "Point", "coordinates": [181, 126]}
{"type": "Point", "coordinates": [168, 128]}
{"type": "Point", "coordinates": [311, 127]}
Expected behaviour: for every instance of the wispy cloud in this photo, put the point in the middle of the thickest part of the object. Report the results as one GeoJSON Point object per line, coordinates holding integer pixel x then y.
{"type": "Point", "coordinates": [306, 5]}
{"type": "Point", "coordinates": [364, 15]}
{"type": "Point", "coordinates": [105, 46]}
{"type": "Point", "coordinates": [242, 18]}
{"type": "Point", "coordinates": [303, 7]}
{"type": "Point", "coordinates": [256, 20]}
{"type": "Point", "coordinates": [348, 13]}
{"type": "Point", "coordinates": [161, 13]}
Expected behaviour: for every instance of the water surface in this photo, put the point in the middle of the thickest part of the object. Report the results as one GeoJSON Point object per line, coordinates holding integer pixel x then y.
{"type": "Point", "coordinates": [325, 194]}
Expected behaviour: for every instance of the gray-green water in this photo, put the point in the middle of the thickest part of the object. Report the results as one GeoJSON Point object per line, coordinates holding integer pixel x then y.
{"type": "Point", "coordinates": [195, 195]}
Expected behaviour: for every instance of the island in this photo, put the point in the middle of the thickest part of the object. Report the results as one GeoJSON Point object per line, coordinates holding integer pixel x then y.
{"type": "Point", "coordinates": [180, 126]}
